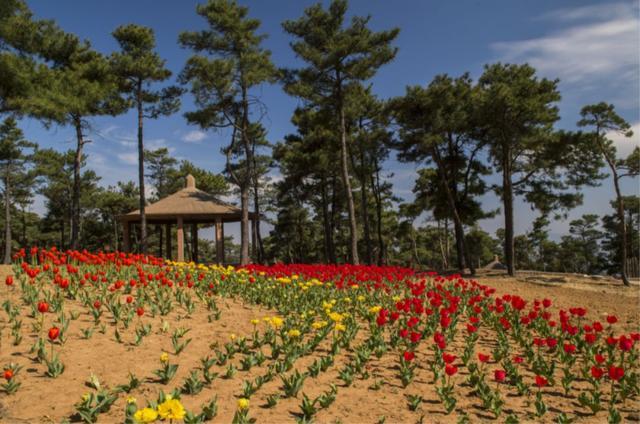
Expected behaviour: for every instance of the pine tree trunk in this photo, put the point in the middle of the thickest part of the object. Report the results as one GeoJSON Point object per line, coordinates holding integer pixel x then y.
{"type": "Point", "coordinates": [332, 222]}
{"type": "Point", "coordinates": [344, 154]}
{"type": "Point", "coordinates": [623, 228]}
{"type": "Point", "coordinates": [365, 209]}
{"type": "Point", "coordinates": [143, 216]}
{"type": "Point", "coordinates": [8, 242]}
{"type": "Point", "coordinates": [244, 189]}
{"type": "Point", "coordinates": [75, 199]}
{"type": "Point", "coordinates": [325, 220]}
{"type": "Point", "coordinates": [375, 185]}
{"type": "Point", "coordinates": [453, 208]}
{"type": "Point", "coordinates": [256, 202]}
{"type": "Point", "coordinates": [507, 199]}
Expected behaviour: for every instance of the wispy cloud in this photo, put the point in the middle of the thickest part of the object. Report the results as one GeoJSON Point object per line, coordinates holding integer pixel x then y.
{"type": "Point", "coordinates": [130, 158]}
{"type": "Point", "coordinates": [625, 145]}
{"type": "Point", "coordinates": [195, 136]}
{"type": "Point", "coordinates": [595, 48]}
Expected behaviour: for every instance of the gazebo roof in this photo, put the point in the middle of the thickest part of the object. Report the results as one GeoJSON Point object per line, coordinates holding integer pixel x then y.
{"type": "Point", "coordinates": [190, 204]}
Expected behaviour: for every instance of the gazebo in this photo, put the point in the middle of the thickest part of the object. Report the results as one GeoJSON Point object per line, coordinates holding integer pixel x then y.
{"type": "Point", "coordinates": [190, 207]}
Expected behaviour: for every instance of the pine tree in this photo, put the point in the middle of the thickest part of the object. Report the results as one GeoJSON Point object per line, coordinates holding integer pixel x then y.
{"type": "Point", "coordinates": [137, 66]}
{"type": "Point", "coordinates": [16, 159]}
{"type": "Point", "coordinates": [437, 126]}
{"type": "Point", "coordinates": [516, 113]}
{"type": "Point", "coordinates": [336, 56]}
{"type": "Point", "coordinates": [228, 64]}
{"type": "Point", "coordinates": [604, 120]}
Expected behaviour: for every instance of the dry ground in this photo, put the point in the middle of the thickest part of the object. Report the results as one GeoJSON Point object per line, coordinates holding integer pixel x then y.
{"type": "Point", "coordinates": [45, 400]}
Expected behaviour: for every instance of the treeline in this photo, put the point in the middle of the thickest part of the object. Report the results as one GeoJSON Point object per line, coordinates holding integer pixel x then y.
{"type": "Point", "coordinates": [334, 201]}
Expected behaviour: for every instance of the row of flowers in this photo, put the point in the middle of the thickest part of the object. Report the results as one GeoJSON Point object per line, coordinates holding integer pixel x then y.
{"type": "Point", "coordinates": [440, 323]}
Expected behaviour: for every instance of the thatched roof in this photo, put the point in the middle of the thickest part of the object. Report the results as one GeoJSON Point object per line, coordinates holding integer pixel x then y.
{"type": "Point", "coordinates": [189, 203]}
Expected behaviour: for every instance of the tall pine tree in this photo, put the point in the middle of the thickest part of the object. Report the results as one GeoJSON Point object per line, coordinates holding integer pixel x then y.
{"type": "Point", "coordinates": [228, 64]}
{"type": "Point", "coordinates": [336, 56]}
{"type": "Point", "coordinates": [137, 66]}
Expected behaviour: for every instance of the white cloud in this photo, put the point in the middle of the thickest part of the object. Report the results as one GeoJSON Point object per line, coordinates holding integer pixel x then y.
{"type": "Point", "coordinates": [130, 158]}
{"type": "Point", "coordinates": [625, 145]}
{"type": "Point", "coordinates": [195, 136]}
{"type": "Point", "coordinates": [595, 48]}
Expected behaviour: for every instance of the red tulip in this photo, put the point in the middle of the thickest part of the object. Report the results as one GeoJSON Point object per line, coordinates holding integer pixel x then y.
{"type": "Point", "coordinates": [597, 373]}
{"type": "Point", "coordinates": [518, 359]}
{"type": "Point", "coordinates": [43, 307]}
{"type": "Point", "coordinates": [129, 299]}
{"type": "Point", "coordinates": [625, 344]}
{"type": "Point", "coordinates": [9, 280]}
{"type": "Point", "coordinates": [616, 373]}
{"type": "Point", "coordinates": [541, 381]}
{"type": "Point", "coordinates": [546, 303]}
{"type": "Point", "coordinates": [54, 332]}
{"type": "Point", "coordinates": [450, 369]}
{"type": "Point", "coordinates": [448, 358]}
{"type": "Point", "coordinates": [408, 356]}
{"type": "Point", "coordinates": [140, 311]}
{"type": "Point", "coordinates": [97, 304]}
{"type": "Point", "coordinates": [569, 348]}
{"type": "Point", "coordinates": [599, 358]}
{"type": "Point", "coordinates": [8, 374]}
{"type": "Point", "coordinates": [500, 375]}
{"type": "Point", "coordinates": [612, 319]}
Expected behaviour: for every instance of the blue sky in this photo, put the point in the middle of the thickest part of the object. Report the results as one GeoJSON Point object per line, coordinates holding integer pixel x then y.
{"type": "Point", "coordinates": [593, 47]}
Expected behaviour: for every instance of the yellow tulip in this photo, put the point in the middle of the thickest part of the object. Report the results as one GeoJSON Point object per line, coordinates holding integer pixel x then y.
{"type": "Point", "coordinates": [171, 409]}
{"type": "Point", "coordinates": [145, 415]}
{"type": "Point", "coordinates": [243, 404]}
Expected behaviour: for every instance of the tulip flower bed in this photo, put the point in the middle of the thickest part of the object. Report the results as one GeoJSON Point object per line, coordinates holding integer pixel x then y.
{"type": "Point", "coordinates": [128, 338]}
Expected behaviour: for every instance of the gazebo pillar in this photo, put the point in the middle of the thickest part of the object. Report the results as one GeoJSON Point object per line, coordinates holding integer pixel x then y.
{"type": "Point", "coordinates": [219, 241]}
{"type": "Point", "coordinates": [167, 237]}
{"type": "Point", "coordinates": [126, 237]}
{"type": "Point", "coordinates": [194, 242]}
{"type": "Point", "coordinates": [180, 240]}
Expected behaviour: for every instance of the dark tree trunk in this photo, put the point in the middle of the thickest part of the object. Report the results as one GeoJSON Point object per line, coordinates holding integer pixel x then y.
{"type": "Point", "coordinates": [8, 242]}
{"type": "Point", "coordinates": [344, 155]}
{"type": "Point", "coordinates": [453, 207]}
{"type": "Point", "coordinates": [328, 254]}
{"type": "Point", "coordinates": [75, 197]}
{"type": "Point", "coordinates": [507, 199]}
{"type": "Point", "coordinates": [256, 202]}
{"type": "Point", "coordinates": [375, 185]}
{"type": "Point", "coordinates": [623, 227]}
{"type": "Point", "coordinates": [365, 208]}
{"type": "Point", "coordinates": [143, 216]}
{"type": "Point", "coordinates": [244, 189]}
{"type": "Point", "coordinates": [24, 241]}
{"type": "Point", "coordinates": [332, 221]}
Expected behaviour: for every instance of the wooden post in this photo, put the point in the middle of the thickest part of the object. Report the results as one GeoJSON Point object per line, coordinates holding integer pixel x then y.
{"type": "Point", "coordinates": [126, 240]}
{"type": "Point", "coordinates": [219, 242]}
{"type": "Point", "coordinates": [194, 242]}
{"type": "Point", "coordinates": [159, 233]}
{"type": "Point", "coordinates": [180, 240]}
{"type": "Point", "coordinates": [167, 237]}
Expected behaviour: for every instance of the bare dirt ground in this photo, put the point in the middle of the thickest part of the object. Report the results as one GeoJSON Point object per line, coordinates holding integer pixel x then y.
{"type": "Point", "coordinates": [45, 400]}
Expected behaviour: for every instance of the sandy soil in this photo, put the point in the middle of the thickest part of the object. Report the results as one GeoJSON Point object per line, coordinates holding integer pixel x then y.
{"type": "Point", "coordinates": [44, 400]}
